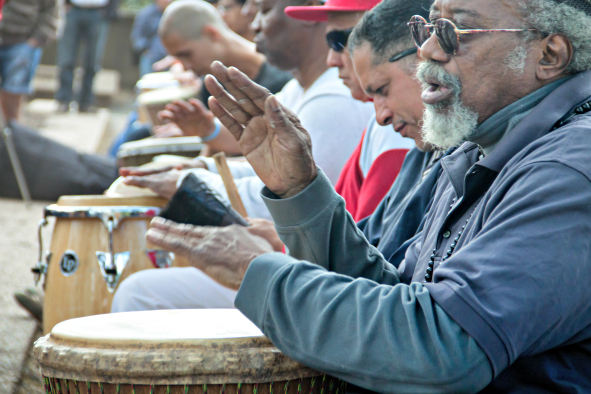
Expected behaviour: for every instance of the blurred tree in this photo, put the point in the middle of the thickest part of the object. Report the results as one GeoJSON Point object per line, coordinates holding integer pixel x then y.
{"type": "Point", "coordinates": [134, 5]}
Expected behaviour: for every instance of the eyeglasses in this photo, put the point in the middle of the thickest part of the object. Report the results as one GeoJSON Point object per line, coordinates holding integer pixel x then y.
{"type": "Point", "coordinates": [337, 39]}
{"type": "Point", "coordinates": [448, 35]}
{"type": "Point", "coordinates": [400, 55]}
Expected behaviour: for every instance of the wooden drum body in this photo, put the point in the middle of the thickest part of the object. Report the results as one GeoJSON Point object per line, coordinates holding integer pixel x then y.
{"type": "Point", "coordinates": [97, 242]}
{"type": "Point", "coordinates": [171, 351]}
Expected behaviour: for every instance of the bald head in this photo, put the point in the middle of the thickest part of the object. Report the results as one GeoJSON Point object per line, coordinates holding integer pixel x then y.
{"type": "Point", "coordinates": [187, 18]}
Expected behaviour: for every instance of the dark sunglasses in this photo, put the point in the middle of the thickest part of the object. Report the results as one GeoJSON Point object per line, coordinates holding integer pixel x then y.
{"type": "Point", "coordinates": [337, 39]}
{"type": "Point", "coordinates": [448, 35]}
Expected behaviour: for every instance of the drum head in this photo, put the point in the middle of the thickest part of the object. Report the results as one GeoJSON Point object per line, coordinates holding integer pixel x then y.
{"type": "Point", "coordinates": [205, 346]}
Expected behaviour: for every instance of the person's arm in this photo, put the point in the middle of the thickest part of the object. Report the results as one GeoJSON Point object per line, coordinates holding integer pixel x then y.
{"type": "Point", "coordinates": [46, 25]}
{"type": "Point", "coordinates": [315, 226]}
{"type": "Point", "coordinates": [335, 124]}
{"type": "Point", "coordinates": [379, 337]}
{"type": "Point", "coordinates": [140, 41]}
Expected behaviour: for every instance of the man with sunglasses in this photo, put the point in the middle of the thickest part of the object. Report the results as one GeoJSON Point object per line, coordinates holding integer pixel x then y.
{"type": "Point", "coordinates": [492, 296]}
{"type": "Point", "coordinates": [375, 164]}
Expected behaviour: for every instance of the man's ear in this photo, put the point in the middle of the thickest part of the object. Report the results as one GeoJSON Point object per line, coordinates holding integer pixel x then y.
{"type": "Point", "coordinates": [211, 32]}
{"type": "Point", "coordinates": [557, 54]}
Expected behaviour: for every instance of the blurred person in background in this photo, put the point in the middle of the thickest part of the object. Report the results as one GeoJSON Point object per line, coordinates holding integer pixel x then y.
{"type": "Point", "coordinates": [237, 20]}
{"type": "Point", "coordinates": [110, 14]}
{"type": "Point", "coordinates": [146, 45]}
{"type": "Point", "coordinates": [25, 27]}
{"type": "Point", "coordinates": [83, 25]}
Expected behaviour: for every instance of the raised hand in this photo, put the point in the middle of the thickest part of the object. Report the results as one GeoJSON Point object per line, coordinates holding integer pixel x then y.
{"type": "Point", "coordinates": [192, 117]}
{"type": "Point", "coordinates": [270, 136]}
{"type": "Point", "coordinates": [223, 253]}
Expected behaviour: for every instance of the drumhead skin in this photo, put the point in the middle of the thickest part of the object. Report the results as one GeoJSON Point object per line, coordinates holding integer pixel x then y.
{"type": "Point", "coordinates": [205, 346]}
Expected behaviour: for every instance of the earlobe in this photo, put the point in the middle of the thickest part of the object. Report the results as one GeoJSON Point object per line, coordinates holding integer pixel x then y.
{"type": "Point", "coordinates": [557, 53]}
{"type": "Point", "coordinates": [210, 32]}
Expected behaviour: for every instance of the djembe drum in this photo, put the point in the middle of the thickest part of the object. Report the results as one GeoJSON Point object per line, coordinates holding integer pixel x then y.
{"type": "Point", "coordinates": [171, 351]}
{"type": "Point", "coordinates": [97, 242]}
{"type": "Point", "coordinates": [137, 153]}
{"type": "Point", "coordinates": [154, 101]}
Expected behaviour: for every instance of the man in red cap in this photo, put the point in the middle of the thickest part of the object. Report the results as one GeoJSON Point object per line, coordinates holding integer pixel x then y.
{"type": "Point", "coordinates": [375, 164]}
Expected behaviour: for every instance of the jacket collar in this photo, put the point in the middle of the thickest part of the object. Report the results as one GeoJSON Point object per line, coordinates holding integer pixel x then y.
{"type": "Point", "coordinates": [540, 120]}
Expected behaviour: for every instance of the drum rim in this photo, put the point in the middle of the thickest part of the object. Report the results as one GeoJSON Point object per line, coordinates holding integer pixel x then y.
{"type": "Point", "coordinates": [67, 354]}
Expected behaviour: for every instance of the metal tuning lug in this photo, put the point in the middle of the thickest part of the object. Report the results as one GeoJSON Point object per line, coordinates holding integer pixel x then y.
{"type": "Point", "coordinates": [112, 264]}
{"type": "Point", "coordinates": [160, 258]}
{"type": "Point", "coordinates": [40, 269]}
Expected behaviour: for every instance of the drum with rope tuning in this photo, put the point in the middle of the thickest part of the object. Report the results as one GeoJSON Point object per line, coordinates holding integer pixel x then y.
{"type": "Point", "coordinates": [171, 351]}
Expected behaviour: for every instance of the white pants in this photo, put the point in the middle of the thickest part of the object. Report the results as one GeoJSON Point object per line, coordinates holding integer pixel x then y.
{"type": "Point", "coordinates": [171, 288]}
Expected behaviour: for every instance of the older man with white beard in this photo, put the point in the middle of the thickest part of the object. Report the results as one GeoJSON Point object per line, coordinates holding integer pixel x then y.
{"type": "Point", "coordinates": [492, 297]}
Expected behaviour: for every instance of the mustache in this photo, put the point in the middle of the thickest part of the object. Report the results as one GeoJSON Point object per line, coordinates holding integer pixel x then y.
{"type": "Point", "coordinates": [428, 70]}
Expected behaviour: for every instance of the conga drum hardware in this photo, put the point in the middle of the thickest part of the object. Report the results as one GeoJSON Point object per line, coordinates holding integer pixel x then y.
{"type": "Point", "coordinates": [202, 351]}
{"type": "Point", "coordinates": [40, 269]}
{"type": "Point", "coordinates": [160, 258]}
{"type": "Point", "coordinates": [111, 264]}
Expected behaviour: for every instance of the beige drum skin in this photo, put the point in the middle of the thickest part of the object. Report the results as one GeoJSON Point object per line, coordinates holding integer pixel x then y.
{"type": "Point", "coordinates": [154, 101]}
{"type": "Point", "coordinates": [75, 284]}
{"type": "Point", "coordinates": [171, 351]}
{"type": "Point", "coordinates": [137, 153]}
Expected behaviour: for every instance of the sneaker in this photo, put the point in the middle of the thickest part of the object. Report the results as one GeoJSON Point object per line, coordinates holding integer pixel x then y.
{"type": "Point", "coordinates": [32, 301]}
{"type": "Point", "coordinates": [63, 108]}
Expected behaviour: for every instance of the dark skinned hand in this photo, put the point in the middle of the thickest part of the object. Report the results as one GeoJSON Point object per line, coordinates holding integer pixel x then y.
{"type": "Point", "coordinates": [270, 136]}
{"type": "Point", "coordinates": [222, 253]}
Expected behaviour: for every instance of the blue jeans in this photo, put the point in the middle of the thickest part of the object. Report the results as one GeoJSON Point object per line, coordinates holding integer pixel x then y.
{"type": "Point", "coordinates": [17, 67]}
{"type": "Point", "coordinates": [82, 27]}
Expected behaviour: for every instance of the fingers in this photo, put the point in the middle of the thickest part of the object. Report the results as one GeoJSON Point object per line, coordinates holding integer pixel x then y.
{"type": "Point", "coordinates": [275, 115]}
{"type": "Point", "coordinates": [256, 93]}
{"type": "Point", "coordinates": [249, 104]}
{"type": "Point", "coordinates": [226, 118]}
{"type": "Point", "coordinates": [168, 241]}
{"type": "Point", "coordinates": [136, 171]}
{"type": "Point", "coordinates": [227, 101]}
{"type": "Point", "coordinates": [183, 230]}
{"type": "Point", "coordinates": [138, 181]}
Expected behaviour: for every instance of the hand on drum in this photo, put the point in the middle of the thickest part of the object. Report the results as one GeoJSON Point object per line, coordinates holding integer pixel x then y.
{"type": "Point", "coordinates": [223, 253]}
{"type": "Point", "coordinates": [169, 130]}
{"type": "Point", "coordinates": [143, 171]}
{"type": "Point", "coordinates": [270, 136]}
{"type": "Point", "coordinates": [163, 184]}
{"type": "Point", "coordinates": [192, 117]}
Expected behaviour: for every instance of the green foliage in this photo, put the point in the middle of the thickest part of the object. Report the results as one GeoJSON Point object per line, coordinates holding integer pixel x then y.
{"type": "Point", "coordinates": [134, 5]}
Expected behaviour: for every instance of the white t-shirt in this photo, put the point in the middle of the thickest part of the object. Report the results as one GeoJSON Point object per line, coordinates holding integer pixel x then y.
{"type": "Point", "coordinates": [335, 122]}
{"type": "Point", "coordinates": [377, 140]}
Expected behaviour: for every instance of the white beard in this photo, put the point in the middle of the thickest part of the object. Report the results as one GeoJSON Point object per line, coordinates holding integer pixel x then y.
{"type": "Point", "coordinates": [447, 124]}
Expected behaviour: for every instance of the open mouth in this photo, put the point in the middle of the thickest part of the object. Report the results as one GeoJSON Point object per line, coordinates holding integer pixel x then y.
{"type": "Point", "coordinates": [435, 92]}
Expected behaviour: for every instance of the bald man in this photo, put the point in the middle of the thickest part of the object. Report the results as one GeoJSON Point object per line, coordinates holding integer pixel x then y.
{"type": "Point", "coordinates": [194, 32]}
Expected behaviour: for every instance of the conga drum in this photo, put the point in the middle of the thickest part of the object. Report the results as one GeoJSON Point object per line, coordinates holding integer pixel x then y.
{"type": "Point", "coordinates": [171, 351]}
{"type": "Point", "coordinates": [154, 101]}
{"type": "Point", "coordinates": [97, 242]}
{"type": "Point", "coordinates": [137, 153]}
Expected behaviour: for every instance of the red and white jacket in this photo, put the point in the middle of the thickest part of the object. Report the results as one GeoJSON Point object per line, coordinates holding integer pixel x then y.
{"type": "Point", "coordinates": [372, 169]}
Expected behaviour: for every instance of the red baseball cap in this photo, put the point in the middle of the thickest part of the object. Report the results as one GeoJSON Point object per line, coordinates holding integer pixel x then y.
{"type": "Point", "coordinates": [319, 13]}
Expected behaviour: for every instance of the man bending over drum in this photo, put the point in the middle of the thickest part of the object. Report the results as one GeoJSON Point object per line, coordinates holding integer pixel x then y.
{"type": "Point", "coordinates": [492, 296]}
